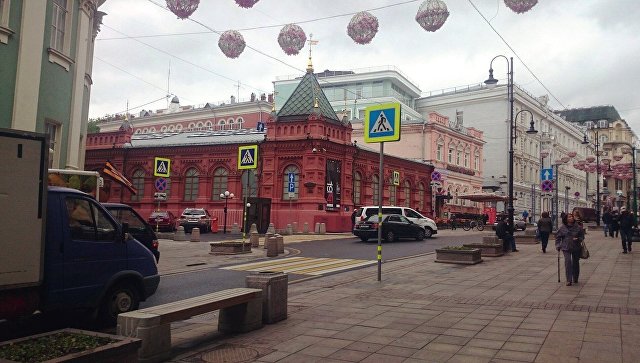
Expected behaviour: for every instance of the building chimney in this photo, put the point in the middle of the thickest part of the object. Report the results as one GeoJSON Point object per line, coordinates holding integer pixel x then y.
{"type": "Point", "coordinates": [233, 99]}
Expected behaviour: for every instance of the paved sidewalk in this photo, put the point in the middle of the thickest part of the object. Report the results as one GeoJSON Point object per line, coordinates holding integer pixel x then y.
{"type": "Point", "coordinates": [508, 308]}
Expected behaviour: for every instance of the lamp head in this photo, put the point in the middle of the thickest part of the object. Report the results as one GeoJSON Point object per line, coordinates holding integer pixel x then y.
{"type": "Point", "coordinates": [314, 150]}
{"type": "Point", "coordinates": [532, 130]}
{"type": "Point", "coordinates": [491, 82]}
{"type": "Point", "coordinates": [222, 196]}
{"type": "Point", "coordinates": [226, 194]}
{"type": "Point", "coordinates": [585, 141]}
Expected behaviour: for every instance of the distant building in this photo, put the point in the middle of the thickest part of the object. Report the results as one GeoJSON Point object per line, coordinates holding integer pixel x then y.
{"type": "Point", "coordinates": [46, 53]}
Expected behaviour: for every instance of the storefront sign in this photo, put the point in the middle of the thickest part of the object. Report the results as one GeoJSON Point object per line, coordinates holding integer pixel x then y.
{"type": "Point", "coordinates": [332, 188]}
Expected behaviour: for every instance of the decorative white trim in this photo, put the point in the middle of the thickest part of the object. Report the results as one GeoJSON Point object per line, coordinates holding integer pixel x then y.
{"type": "Point", "coordinates": [4, 34]}
{"type": "Point", "coordinates": [59, 59]}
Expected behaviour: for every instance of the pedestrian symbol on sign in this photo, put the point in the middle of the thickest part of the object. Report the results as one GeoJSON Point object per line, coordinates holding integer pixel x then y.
{"type": "Point", "coordinates": [382, 124]}
{"type": "Point", "coordinates": [247, 158]}
{"type": "Point", "coordinates": [162, 167]}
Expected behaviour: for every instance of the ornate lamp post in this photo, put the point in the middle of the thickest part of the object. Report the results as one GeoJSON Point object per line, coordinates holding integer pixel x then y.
{"type": "Point", "coordinates": [226, 196]}
{"type": "Point", "coordinates": [633, 167]}
{"type": "Point", "coordinates": [491, 83]}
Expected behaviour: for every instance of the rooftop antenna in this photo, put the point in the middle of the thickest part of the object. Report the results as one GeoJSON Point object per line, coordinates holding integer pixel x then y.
{"type": "Point", "coordinates": [168, 84]}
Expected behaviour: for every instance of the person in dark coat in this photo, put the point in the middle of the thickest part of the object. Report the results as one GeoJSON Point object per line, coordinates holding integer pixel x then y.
{"type": "Point", "coordinates": [569, 240]}
{"type": "Point", "coordinates": [353, 218]}
{"type": "Point", "coordinates": [614, 227]}
{"type": "Point", "coordinates": [606, 221]}
{"type": "Point", "coordinates": [545, 226]}
{"type": "Point", "coordinates": [626, 229]}
{"type": "Point", "coordinates": [503, 232]}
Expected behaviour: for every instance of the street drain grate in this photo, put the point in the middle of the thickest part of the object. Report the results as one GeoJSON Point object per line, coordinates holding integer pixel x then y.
{"type": "Point", "coordinates": [229, 354]}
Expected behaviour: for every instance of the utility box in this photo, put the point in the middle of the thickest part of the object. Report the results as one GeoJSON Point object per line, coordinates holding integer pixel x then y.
{"type": "Point", "coordinates": [275, 286]}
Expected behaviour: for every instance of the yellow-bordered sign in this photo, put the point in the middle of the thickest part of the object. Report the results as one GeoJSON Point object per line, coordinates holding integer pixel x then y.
{"type": "Point", "coordinates": [396, 177]}
{"type": "Point", "coordinates": [247, 157]}
{"type": "Point", "coordinates": [382, 123]}
{"type": "Point", "coordinates": [162, 167]}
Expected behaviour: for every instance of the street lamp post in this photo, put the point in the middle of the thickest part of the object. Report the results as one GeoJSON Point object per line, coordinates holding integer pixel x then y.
{"type": "Point", "coordinates": [597, 145]}
{"type": "Point", "coordinates": [226, 196]}
{"type": "Point", "coordinates": [491, 82]}
{"type": "Point", "coordinates": [633, 166]}
{"type": "Point", "coordinates": [566, 199]}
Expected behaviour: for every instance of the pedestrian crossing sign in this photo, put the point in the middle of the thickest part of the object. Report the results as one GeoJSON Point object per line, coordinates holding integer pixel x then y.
{"type": "Point", "coordinates": [247, 157]}
{"type": "Point", "coordinates": [162, 167]}
{"type": "Point", "coordinates": [382, 123]}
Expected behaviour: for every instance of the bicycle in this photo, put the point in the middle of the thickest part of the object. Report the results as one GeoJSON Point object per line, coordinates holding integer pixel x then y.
{"type": "Point", "coordinates": [471, 224]}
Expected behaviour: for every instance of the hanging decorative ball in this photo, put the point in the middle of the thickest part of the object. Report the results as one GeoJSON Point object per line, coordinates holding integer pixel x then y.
{"type": "Point", "coordinates": [231, 43]}
{"type": "Point", "coordinates": [591, 158]}
{"type": "Point", "coordinates": [565, 159]}
{"type": "Point", "coordinates": [292, 39]}
{"type": "Point", "coordinates": [544, 153]}
{"type": "Point", "coordinates": [572, 154]}
{"type": "Point", "coordinates": [246, 3]}
{"type": "Point", "coordinates": [618, 157]}
{"type": "Point", "coordinates": [363, 27]}
{"type": "Point", "coordinates": [183, 8]}
{"type": "Point", "coordinates": [606, 161]}
{"type": "Point", "coordinates": [520, 6]}
{"type": "Point", "coordinates": [432, 14]}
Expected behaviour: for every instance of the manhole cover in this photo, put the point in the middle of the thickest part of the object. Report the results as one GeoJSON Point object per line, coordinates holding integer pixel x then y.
{"type": "Point", "coordinates": [229, 354]}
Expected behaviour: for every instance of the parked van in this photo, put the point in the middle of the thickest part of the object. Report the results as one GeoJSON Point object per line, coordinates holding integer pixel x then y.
{"type": "Point", "coordinates": [428, 224]}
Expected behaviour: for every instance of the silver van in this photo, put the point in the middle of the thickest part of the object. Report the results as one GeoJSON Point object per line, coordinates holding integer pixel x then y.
{"type": "Point", "coordinates": [428, 224]}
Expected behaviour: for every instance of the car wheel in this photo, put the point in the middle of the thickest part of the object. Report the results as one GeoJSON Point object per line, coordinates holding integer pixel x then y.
{"type": "Point", "coordinates": [390, 236]}
{"type": "Point", "coordinates": [120, 299]}
{"type": "Point", "coordinates": [364, 239]}
{"type": "Point", "coordinates": [428, 232]}
{"type": "Point", "coordinates": [420, 236]}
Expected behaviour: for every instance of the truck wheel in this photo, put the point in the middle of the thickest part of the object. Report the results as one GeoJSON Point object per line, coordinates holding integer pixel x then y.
{"type": "Point", "coordinates": [120, 299]}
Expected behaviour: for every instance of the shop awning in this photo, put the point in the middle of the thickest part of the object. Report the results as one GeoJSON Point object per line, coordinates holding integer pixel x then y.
{"type": "Point", "coordinates": [484, 197]}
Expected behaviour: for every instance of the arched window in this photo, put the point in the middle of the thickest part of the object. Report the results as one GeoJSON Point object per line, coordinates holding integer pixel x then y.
{"type": "Point", "coordinates": [191, 126]}
{"type": "Point", "coordinates": [191, 183]}
{"type": "Point", "coordinates": [138, 131]}
{"type": "Point", "coordinates": [208, 124]}
{"type": "Point", "coordinates": [240, 120]}
{"type": "Point", "coordinates": [171, 128]}
{"type": "Point", "coordinates": [137, 179]}
{"type": "Point", "coordinates": [466, 159]}
{"type": "Point", "coordinates": [450, 155]}
{"type": "Point", "coordinates": [407, 194]}
{"type": "Point", "coordinates": [375, 183]}
{"type": "Point", "coordinates": [200, 125]}
{"type": "Point", "coordinates": [291, 169]}
{"type": "Point", "coordinates": [250, 177]}
{"type": "Point", "coordinates": [421, 197]}
{"type": "Point", "coordinates": [144, 131]}
{"type": "Point", "coordinates": [163, 129]}
{"type": "Point", "coordinates": [220, 183]}
{"type": "Point", "coordinates": [153, 129]}
{"type": "Point", "coordinates": [179, 127]}
{"type": "Point", "coordinates": [357, 188]}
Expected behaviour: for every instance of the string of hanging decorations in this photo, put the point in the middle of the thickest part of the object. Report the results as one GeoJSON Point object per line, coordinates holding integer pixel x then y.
{"type": "Point", "coordinates": [363, 27]}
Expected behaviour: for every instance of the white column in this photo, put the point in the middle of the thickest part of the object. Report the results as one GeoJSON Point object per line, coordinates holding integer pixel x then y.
{"type": "Point", "coordinates": [25, 102]}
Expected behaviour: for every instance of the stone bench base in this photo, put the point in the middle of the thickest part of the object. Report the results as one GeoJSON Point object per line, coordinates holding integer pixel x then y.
{"type": "Point", "coordinates": [464, 257]}
{"type": "Point", "coordinates": [488, 249]}
{"type": "Point", "coordinates": [229, 248]}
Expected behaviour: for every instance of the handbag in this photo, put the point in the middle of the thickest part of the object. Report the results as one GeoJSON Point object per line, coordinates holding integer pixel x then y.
{"type": "Point", "coordinates": [584, 252]}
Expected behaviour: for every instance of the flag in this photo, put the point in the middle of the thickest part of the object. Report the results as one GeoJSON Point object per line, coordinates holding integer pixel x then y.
{"type": "Point", "coordinates": [110, 170]}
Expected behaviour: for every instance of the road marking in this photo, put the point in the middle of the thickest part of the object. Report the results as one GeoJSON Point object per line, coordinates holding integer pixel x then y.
{"type": "Point", "coordinates": [303, 265]}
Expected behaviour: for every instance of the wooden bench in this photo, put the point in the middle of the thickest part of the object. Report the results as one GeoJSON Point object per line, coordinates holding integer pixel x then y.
{"type": "Point", "coordinates": [240, 312]}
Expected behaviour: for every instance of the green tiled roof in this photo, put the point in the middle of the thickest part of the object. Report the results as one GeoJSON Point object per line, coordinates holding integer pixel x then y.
{"type": "Point", "coordinates": [302, 100]}
{"type": "Point", "coordinates": [590, 114]}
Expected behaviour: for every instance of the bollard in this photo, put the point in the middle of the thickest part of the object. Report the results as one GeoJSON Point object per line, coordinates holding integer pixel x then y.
{"type": "Point", "coordinates": [272, 247]}
{"type": "Point", "coordinates": [271, 229]}
{"type": "Point", "coordinates": [179, 235]}
{"type": "Point", "coordinates": [274, 287]}
{"type": "Point", "coordinates": [323, 228]}
{"type": "Point", "coordinates": [253, 228]}
{"type": "Point", "coordinates": [317, 228]}
{"type": "Point", "coordinates": [305, 228]}
{"type": "Point", "coordinates": [289, 230]}
{"type": "Point", "coordinates": [266, 238]}
{"type": "Point", "coordinates": [254, 239]}
{"type": "Point", "coordinates": [235, 229]}
{"type": "Point", "coordinates": [295, 227]}
{"type": "Point", "coordinates": [280, 243]}
{"type": "Point", "coordinates": [195, 234]}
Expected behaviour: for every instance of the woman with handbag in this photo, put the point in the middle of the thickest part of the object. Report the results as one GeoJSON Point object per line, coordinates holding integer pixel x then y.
{"type": "Point", "coordinates": [569, 239]}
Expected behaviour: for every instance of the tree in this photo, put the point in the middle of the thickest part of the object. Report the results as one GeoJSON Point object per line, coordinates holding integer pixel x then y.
{"type": "Point", "coordinates": [92, 126]}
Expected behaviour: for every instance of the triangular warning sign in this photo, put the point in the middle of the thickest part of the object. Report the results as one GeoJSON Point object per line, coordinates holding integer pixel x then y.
{"type": "Point", "coordinates": [162, 167]}
{"type": "Point", "coordinates": [247, 158]}
{"type": "Point", "coordinates": [381, 124]}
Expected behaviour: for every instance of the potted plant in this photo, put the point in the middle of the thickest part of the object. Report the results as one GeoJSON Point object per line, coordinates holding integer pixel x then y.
{"type": "Point", "coordinates": [70, 345]}
{"type": "Point", "coordinates": [459, 255]}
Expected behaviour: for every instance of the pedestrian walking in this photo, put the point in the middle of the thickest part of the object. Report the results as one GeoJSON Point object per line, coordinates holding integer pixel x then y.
{"type": "Point", "coordinates": [545, 226]}
{"type": "Point", "coordinates": [626, 229]}
{"type": "Point", "coordinates": [606, 221]}
{"type": "Point", "coordinates": [614, 227]}
{"type": "Point", "coordinates": [569, 240]}
{"type": "Point", "coordinates": [503, 231]}
{"type": "Point", "coordinates": [353, 218]}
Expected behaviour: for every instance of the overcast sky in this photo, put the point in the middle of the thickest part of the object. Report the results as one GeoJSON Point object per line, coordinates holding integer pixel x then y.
{"type": "Point", "coordinates": [586, 52]}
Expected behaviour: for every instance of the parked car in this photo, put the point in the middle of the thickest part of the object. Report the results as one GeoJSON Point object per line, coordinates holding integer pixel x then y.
{"type": "Point", "coordinates": [163, 220]}
{"type": "Point", "coordinates": [138, 228]}
{"type": "Point", "coordinates": [394, 227]}
{"type": "Point", "coordinates": [518, 224]}
{"type": "Point", "coordinates": [196, 217]}
{"type": "Point", "coordinates": [427, 224]}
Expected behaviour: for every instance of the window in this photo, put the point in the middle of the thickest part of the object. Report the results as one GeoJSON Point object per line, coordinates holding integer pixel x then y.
{"type": "Point", "coordinates": [603, 124]}
{"type": "Point", "coordinates": [60, 47]}
{"type": "Point", "coordinates": [458, 157]}
{"type": "Point", "coordinates": [421, 197]}
{"type": "Point", "coordinates": [191, 183]}
{"type": "Point", "coordinates": [87, 222]}
{"type": "Point", "coordinates": [459, 118]}
{"type": "Point", "coordinates": [439, 153]}
{"type": "Point", "coordinates": [618, 184]}
{"type": "Point", "coordinates": [138, 183]}
{"type": "Point", "coordinates": [450, 156]}
{"type": "Point", "coordinates": [357, 188]}
{"type": "Point", "coordinates": [220, 183]}
{"type": "Point", "coordinates": [466, 159]}
{"type": "Point", "coordinates": [392, 194]}
{"type": "Point", "coordinates": [476, 162]}
{"type": "Point", "coordinates": [291, 169]}
{"type": "Point", "coordinates": [53, 131]}
{"type": "Point", "coordinates": [375, 183]}
{"type": "Point", "coordinates": [253, 183]}
{"type": "Point", "coordinates": [4, 21]}
{"type": "Point", "coordinates": [407, 194]}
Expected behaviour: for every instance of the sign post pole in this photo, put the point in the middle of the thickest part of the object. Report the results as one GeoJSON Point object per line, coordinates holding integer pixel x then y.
{"type": "Point", "coordinates": [247, 160]}
{"type": "Point", "coordinates": [380, 184]}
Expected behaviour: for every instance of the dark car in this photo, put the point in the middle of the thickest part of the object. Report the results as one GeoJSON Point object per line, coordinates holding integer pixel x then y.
{"type": "Point", "coordinates": [196, 217]}
{"type": "Point", "coordinates": [163, 221]}
{"type": "Point", "coordinates": [518, 224]}
{"type": "Point", "coordinates": [394, 227]}
{"type": "Point", "coordinates": [138, 228]}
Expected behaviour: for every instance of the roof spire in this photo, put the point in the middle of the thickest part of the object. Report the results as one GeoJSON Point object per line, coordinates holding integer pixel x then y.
{"type": "Point", "coordinates": [310, 63]}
